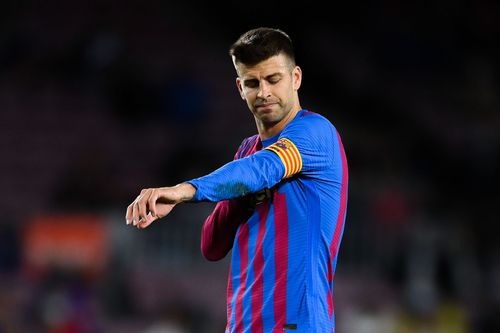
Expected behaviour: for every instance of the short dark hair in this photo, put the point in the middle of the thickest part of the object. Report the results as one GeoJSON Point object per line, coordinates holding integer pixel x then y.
{"type": "Point", "coordinates": [259, 44]}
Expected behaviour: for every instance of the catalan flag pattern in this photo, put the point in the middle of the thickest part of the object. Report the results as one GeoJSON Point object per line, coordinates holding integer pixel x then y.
{"type": "Point", "coordinates": [289, 155]}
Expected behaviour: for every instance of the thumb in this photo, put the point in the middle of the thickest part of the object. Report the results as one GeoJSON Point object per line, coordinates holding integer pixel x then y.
{"type": "Point", "coordinates": [147, 222]}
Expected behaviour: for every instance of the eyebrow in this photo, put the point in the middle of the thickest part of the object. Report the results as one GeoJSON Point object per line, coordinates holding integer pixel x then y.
{"type": "Point", "coordinates": [267, 77]}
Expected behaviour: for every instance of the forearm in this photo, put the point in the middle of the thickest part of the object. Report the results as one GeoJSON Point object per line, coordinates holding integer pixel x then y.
{"type": "Point", "coordinates": [185, 192]}
{"type": "Point", "coordinates": [239, 178]}
{"type": "Point", "coordinates": [220, 227]}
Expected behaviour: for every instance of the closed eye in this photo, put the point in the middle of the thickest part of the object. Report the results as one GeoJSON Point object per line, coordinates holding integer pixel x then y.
{"type": "Point", "coordinates": [272, 79]}
{"type": "Point", "coordinates": [251, 83]}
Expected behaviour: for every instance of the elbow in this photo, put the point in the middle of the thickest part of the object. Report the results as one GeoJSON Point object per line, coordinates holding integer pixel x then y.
{"type": "Point", "coordinates": [211, 254]}
{"type": "Point", "coordinates": [212, 250]}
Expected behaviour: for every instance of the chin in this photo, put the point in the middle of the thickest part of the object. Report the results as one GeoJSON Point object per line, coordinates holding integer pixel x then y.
{"type": "Point", "coordinates": [270, 117]}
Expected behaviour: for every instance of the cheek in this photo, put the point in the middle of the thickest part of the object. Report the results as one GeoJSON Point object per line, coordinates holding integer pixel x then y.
{"type": "Point", "coordinates": [248, 95]}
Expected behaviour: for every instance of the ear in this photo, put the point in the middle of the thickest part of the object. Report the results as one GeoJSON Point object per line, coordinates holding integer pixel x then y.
{"type": "Point", "coordinates": [240, 88]}
{"type": "Point", "coordinates": [297, 77]}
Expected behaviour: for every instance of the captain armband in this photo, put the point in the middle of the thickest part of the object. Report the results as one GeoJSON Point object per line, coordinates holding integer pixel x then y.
{"type": "Point", "coordinates": [289, 156]}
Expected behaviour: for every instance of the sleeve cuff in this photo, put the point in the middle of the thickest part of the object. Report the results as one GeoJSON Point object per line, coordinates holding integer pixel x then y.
{"type": "Point", "coordinates": [197, 195]}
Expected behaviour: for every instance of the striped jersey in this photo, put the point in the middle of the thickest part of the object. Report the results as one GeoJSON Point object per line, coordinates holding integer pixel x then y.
{"type": "Point", "coordinates": [281, 209]}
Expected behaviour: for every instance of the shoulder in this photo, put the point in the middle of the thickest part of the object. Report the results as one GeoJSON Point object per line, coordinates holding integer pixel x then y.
{"type": "Point", "coordinates": [313, 118]}
{"type": "Point", "coordinates": [246, 146]}
{"type": "Point", "coordinates": [250, 140]}
{"type": "Point", "coordinates": [308, 123]}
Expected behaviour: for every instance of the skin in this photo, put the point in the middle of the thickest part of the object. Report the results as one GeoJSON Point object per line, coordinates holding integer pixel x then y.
{"type": "Point", "coordinates": [270, 89]}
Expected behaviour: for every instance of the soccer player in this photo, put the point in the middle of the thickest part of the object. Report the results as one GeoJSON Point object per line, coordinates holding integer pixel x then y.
{"type": "Point", "coordinates": [281, 203]}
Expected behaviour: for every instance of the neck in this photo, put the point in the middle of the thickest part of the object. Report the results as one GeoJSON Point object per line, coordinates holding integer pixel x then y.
{"type": "Point", "coordinates": [267, 130]}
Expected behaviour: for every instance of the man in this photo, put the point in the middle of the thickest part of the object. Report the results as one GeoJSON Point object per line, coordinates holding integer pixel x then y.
{"type": "Point", "coordinates": [281, 202]}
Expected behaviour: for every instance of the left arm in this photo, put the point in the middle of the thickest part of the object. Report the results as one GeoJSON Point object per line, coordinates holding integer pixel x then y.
{"type": "Point", "coordinates": [220, 227]}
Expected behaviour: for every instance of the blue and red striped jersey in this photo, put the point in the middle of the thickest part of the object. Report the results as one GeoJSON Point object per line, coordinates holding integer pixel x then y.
{"type": "Point", "coordinates": [285, 246]}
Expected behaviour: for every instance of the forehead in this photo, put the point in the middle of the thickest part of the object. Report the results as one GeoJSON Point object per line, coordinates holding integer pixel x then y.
{"type": "Point", "coordinates": [275, 64]}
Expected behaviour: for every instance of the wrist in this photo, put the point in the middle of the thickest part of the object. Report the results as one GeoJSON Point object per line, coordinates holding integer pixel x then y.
{"type": "Point", "coordinates": [186, 191]}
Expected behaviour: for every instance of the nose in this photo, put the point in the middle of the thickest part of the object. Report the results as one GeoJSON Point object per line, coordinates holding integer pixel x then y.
{"type": "Point", "coordinates": [263, 90]}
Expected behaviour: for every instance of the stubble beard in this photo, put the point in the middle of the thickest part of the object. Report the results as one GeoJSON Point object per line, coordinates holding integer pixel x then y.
{"type": "Point", "coordinates": [268, 119]}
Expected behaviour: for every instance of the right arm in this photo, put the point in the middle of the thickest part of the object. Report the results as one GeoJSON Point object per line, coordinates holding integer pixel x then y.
{"type": "Point", "coordinates": [219, 228]}
{"type": "Point", "coordinates": [154, 203]}
{"type": "Point", "coordinates": [238, 178]}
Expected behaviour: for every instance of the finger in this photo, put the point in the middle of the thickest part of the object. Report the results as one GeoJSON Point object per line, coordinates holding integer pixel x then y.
{"type": "Point", "coordinates": [142, 224]}
{"type": "Point", "coordinates": [152, 202]}
{"type": "Point", "coordinates": [146, 222]}
{"type": "Point", "coordinates": [128, 214]}
{"type": "Point", "coordinates": [142, 204]}
{"type": "Point", "coordinates": [135, 211]}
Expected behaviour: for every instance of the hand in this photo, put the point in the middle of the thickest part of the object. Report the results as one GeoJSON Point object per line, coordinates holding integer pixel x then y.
{"type": "Point", "coordinates": [154, 203]}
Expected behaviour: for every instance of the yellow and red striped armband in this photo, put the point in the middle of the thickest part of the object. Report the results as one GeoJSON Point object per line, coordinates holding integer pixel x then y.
{"type": "Point", "coordinates": [289, 155]}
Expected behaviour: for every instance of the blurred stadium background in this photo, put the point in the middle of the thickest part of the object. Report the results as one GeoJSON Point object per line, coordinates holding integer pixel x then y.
{"type": "Point", "coordinates": [99, 99]}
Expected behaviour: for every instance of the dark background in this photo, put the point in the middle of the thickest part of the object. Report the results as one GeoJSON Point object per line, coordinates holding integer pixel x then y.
{"type": "Point", "coordinates": [99, 99]}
